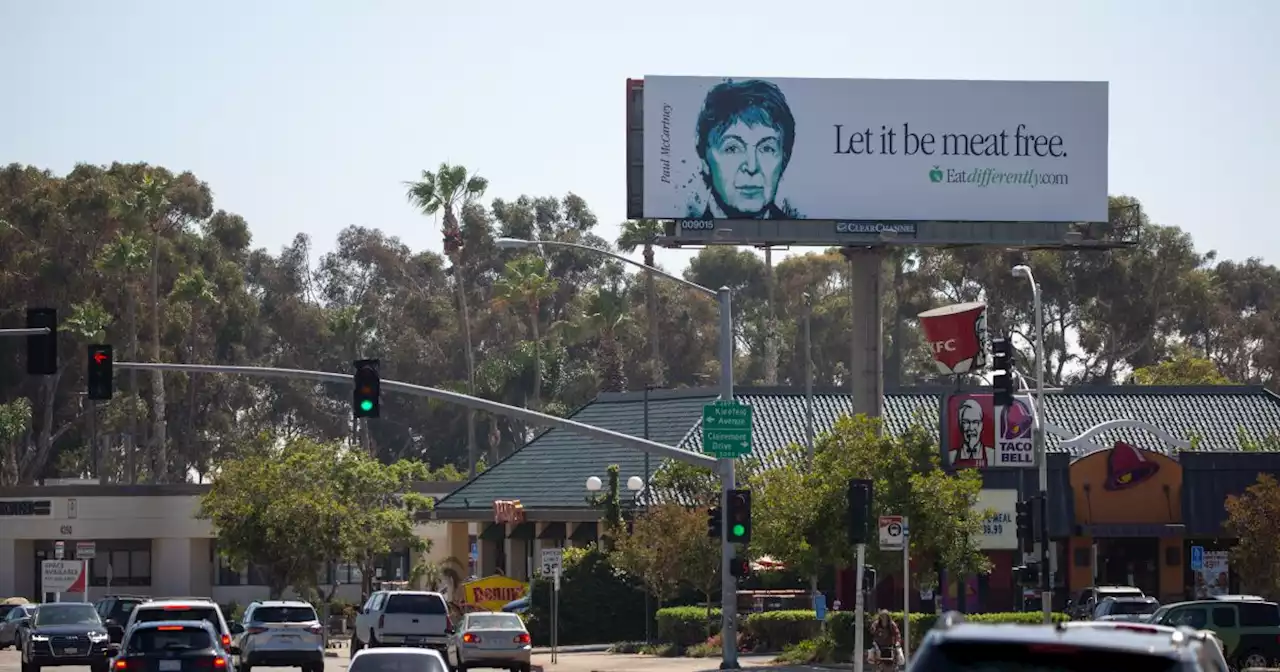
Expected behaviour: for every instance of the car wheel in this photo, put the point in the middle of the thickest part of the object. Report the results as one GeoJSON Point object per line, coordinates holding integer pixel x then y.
{"type": "Point", "coordinates": [103, 667]}
{"type": "Point", "coordinates": [373, 640]}
{"type": "Point", "coordinates": [244, 667]}
{"type": "Point", "coordinates": [30, 667]}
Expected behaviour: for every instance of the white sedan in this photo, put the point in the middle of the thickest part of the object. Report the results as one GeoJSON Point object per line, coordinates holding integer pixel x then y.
{"type": "Point", "coordinates": [397, 659]}
{"type": "Point", "coordinates": [492, 639]}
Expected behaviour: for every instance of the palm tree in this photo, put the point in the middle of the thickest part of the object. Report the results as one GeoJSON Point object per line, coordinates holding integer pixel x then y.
{"type": "Point", "coordinates": [641, 233]}
{"type": "Point", "coordinates": [195, 290]}
{"type": "Point", "coordinates": [525, 283]}
{"type": "Point", "coordinates": [606, 312]}
{"type": "Point", "coordinates": [125, 258]}
{"type": "Point", "coordinates": [448, 190]}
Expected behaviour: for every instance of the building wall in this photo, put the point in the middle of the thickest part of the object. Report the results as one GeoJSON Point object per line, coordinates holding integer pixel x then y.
{"type": "Point", "coordinates": [162, 531]}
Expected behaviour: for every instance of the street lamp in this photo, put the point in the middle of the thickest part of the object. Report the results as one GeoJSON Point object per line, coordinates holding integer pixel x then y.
{"type": "Point", "coordinates": [728, 479]}
{"type": "Point", "coordinates": [634, 484]}
{"type": "Point", "coordinates": [1037, 442]}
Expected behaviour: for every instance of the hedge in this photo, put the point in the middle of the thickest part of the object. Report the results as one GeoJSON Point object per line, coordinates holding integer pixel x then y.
{"type": "Point", "coordinates": [776, 630]}
{"type": "Point", "coordinates": [597, 603]}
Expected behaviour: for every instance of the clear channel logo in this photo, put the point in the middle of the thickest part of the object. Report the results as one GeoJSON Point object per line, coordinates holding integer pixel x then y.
{"type": "Point", "coordinates": [874, 228]}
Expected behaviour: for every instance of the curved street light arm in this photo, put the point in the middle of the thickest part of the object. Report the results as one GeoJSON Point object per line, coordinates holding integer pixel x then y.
{"type": "Point", "coordinates": [512, 242]}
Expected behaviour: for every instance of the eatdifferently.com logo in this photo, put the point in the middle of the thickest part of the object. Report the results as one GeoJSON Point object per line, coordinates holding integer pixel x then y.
{"type": "Point", "coordinates": [994, 177]}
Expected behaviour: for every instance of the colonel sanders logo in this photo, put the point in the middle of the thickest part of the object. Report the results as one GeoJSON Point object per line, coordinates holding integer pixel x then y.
{"type": "Point", "coordinates": [983, 435]}
{"type": "Point", "coordinates": [957, 337]}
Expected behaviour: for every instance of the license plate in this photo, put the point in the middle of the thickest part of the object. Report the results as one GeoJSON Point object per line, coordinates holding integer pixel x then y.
{"type": "Point", "coordinates": [288, 636]}
{"type": "Point", "coordinates": [173, 665]}
{"type": "Point", "coordinates": [70, 651]}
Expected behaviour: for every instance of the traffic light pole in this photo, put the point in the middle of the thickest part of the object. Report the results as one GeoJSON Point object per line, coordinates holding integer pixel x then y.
{"type": "Point", "coordinates": [728, 481]}
{"type": "Point", "coordinates": [618, 438]}
{"type": "Point", "coordinates": [1038, 445]}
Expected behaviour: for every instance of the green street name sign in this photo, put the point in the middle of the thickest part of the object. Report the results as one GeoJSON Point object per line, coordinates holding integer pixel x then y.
{"type": "Point", "coordinates": [726, 429]}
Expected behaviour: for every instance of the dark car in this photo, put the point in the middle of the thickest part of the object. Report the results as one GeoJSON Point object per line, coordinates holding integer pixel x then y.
{"type": "Point", "coordinates": [65, 633]}
{"type": "Point", "coordinates": [115, 611]}
{"type": "Point", "coordinates": [173, 646]}
{"type": "Point", "coordinates": [954, 645]}
{"type": "Point", "coordinates": [1133, 609]}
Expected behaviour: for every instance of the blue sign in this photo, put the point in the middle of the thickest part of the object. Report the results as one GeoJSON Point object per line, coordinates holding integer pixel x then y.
{"type": "Point", "coordinates": [1197, 558]}
{"type": "Point", "coordinates": [820, 607]}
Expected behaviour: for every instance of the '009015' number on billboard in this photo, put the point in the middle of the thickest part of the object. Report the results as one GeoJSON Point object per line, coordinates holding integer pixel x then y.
{"type": "Point", "coordinates": [697, 225]}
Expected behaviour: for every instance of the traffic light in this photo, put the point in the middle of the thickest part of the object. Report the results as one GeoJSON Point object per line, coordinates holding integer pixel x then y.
{"type": "Point", "coordinates": [1023, 522]}
{"type": "Point", "coordinates": [739, 567]}
{"type": "Point", "coordinates": [1002, 364]}
{"type": "Point", "coordinates": [714, 522]}
{"type": "Point", "coordinates": [739, 516]}
{"type": "Point", "coordinates": [1028, 574]}
{"type": "Point", "coordinates": [869, 582]}
{"type": "Point", "coordinates": [859, 519]}
{"type": "Point", "coordinates": [100, 372]}
{"type": "Point", "coordinates": [42, 350]}
{"type": "Point", "coordinates": [365, 400]}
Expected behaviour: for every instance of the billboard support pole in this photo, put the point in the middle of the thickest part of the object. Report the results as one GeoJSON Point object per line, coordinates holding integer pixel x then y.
{"type": "Point", "coordinates": [866, 367]}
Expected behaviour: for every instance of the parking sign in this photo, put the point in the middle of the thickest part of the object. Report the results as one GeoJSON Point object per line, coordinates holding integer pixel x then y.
{"type": "Point", "coordinates": [1197, 558]}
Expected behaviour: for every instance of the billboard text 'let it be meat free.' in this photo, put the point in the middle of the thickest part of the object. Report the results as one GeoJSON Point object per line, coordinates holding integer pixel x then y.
{"type": "Point", "coordinates": [875, 149]}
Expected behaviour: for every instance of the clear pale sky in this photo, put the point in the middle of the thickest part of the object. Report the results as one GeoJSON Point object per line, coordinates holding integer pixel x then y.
{"type": "Point", "coordinates": [307, 116]}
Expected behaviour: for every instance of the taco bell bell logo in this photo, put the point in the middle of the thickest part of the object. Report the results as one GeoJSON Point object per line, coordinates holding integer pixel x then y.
{"type": "Point", "coordinates": [1014, 447]}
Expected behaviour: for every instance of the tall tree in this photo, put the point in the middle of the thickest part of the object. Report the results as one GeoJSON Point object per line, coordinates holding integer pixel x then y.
{"type": "Point", "coordinates": [448, 190]}
{"type": "Point", "coordinates": [1251, 520]}
{"type": "Point", "coordinates": [642, 233]}
{"type": "Point", "coordinates": [525, 285]}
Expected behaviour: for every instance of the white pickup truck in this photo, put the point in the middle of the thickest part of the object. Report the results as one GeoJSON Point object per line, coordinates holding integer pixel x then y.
{"type": "Point", "coordinates": [404, 618]}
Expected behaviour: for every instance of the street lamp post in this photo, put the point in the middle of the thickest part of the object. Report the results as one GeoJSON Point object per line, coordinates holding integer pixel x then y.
{"type": "Point", "coordinates": [728, 479]}
{"type": "Point", "coordinates": [1037, 443]}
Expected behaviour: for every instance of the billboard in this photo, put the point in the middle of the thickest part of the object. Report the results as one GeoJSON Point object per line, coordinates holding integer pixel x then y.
{"type": "Point", "coordinates": [871, 150]}
{"type": "Point", "coordinates": [981, 435]}
{"type": "Point", "coordinates": [999, 530]}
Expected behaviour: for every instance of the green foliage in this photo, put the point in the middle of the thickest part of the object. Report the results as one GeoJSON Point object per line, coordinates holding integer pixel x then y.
{"type": "Point", "coordinates": [775, 630]}
{"type": "Point", "coordinates": [668, 547]}
{"type": "Point", "coordinates": [686, 626]}
{"type": "Point", "coordinates": [800, 519]}
{"type": "Point", "coordinates": [598, 602]}
{"type": "Point", "coordinates": [1251, 520]}
{"type": "Point", "coordinates": [1183, 369]}
{"type": "Point", "coordinates": [292, 507]}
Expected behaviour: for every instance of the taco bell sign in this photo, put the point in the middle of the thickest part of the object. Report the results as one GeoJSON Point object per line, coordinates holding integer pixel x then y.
{"type": "Point", "coordinates": [957, 337]}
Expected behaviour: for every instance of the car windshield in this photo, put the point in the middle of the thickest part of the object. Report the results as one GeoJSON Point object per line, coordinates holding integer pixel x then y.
{"type": "Point", "coordinates": [494, 622]}
{"type": "Point", "coordinates": [66, 614]}
{"type": "Point", "coordinates": [1030, 657]}
{"type": "Point", "coordinates": [169, 638]}
{"type": "Point", "coordinates": [284, 615]}
{"type": "Point", "coordinates": [417, 661]}
{"type": "Point", "coordinates": [415, 604]}
{"type": "Point", "coordinates": [178, 613]}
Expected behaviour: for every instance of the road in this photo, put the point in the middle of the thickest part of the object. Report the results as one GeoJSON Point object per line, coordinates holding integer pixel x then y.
{"type": "Point", "coordinates": [567, 662]}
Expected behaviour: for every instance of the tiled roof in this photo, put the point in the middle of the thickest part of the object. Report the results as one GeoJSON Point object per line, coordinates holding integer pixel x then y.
{"type": "Point", "coordinates": [551, 471]}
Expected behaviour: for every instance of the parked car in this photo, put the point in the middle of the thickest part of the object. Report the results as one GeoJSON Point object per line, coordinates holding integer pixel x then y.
{"type": "Point", "coordinates": [281, 633]}
{"type": "Point", "coordinates": [1081, 609]}
{"type": "Point", "coordinates": [115, 611]}
{"type": "Point", "coordinates": [65, 633]}
{"type": "Point", "coordinates": [1133, 609]}
{"type": "Point", "coordinates": [404, 618]}
{"type": "Point", "coordinates": [1249, 628]}
{"type": "Point", "coordinates": [490, 639]}
{"type": "Point", "coordinates": [15, 616]}
{"type": "Point", "coordinates": [173, 646]}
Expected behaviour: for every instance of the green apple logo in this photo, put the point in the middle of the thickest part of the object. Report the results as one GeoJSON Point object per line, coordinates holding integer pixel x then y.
{"type": "Point", "coordinates": [935, 175]}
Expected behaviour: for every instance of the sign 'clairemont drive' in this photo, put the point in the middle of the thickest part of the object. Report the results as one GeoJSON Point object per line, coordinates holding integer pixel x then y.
{"type": "Point", "coordinates": [875, 150]}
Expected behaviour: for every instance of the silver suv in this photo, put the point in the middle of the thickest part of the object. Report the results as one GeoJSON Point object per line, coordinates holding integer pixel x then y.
{"type": "Point", "coordinates": [281, 633]}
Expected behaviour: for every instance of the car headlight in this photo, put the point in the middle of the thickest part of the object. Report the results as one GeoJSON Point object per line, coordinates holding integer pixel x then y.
{"type": "Point", "coordinates": [98, 637]}
{"type": "Point", "coordinates": [39, 638]}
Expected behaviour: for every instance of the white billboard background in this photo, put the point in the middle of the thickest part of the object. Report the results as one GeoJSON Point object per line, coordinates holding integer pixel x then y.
{"type": "Point", "coordinates": [1000, 529]}
{"type": "Point", "coordinates": [896, 173]}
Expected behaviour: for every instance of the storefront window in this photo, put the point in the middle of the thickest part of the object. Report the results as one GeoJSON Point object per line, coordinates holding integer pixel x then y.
{"type": "Point", "coordinates": [121, 562]}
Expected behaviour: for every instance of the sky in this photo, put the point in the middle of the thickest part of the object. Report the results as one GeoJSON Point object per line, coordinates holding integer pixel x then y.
{"type": "Point", "coordinates": [308, 116]}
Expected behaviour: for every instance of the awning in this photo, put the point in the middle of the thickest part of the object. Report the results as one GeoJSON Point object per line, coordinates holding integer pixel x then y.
{"type": "Point", "coordinates": [495, 532]}
{"type": "Point", "coordinates": [553, 531]}
{"type": "Point", "coordinates": [524, 531]}
{"type": "Point", "coordinates": [585, 532]}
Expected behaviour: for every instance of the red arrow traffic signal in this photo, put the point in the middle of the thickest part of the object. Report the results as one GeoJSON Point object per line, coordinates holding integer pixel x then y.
{"type": "Point", "coordinates": [99, 376]}
{"type": "Point", "coordinates": [99, 357]}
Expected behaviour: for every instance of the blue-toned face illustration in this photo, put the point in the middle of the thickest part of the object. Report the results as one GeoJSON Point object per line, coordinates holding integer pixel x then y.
{"type": "Point", "coordinates": [745, 163]}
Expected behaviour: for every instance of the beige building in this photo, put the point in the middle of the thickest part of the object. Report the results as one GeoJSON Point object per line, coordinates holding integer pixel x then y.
{"type": "Point", "coordinates": [148, 541]}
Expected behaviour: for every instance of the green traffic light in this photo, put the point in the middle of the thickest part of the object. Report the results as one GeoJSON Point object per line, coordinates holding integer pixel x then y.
{"type": "Point", "coordinates": [739, 530]}
{"type": "Point", "coordinates": [366, 405]}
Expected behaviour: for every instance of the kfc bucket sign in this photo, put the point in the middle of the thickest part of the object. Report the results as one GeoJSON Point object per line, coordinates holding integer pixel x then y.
{"type": "Point", "coordinates": [957, 337]}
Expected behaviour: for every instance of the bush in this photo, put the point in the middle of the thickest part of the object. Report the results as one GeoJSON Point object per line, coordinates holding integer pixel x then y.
{"type": "Point", "coordinates": [686, 626]}
{"type": "Point", "coordinates": [820, 649]}
{"type": "Point", "coordinates": [840, 625]}
{"type": "Point", "coordinates": [776, 630]}
{"type": "Point", "coordinates": [598, 603]}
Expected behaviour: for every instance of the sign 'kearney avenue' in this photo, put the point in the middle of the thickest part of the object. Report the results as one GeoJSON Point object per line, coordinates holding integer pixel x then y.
{"type": "Point", "coordinates": [874, 149]}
